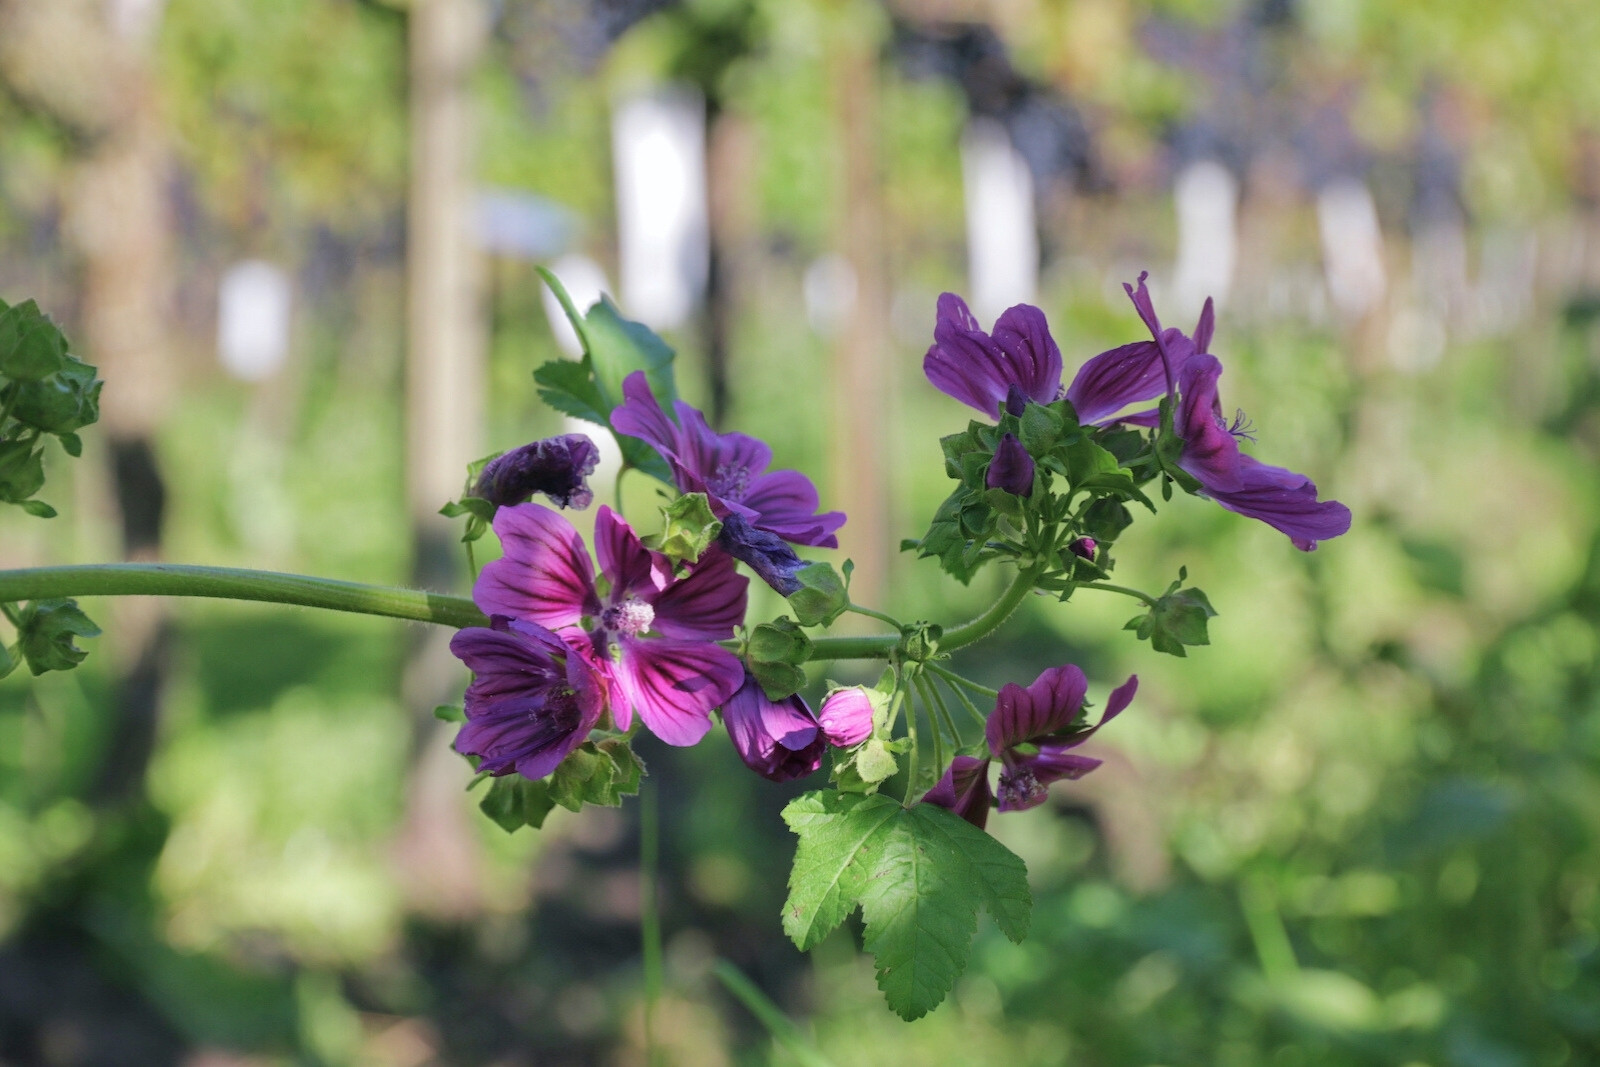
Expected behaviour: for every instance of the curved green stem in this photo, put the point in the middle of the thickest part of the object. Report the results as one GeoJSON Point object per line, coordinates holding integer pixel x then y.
{"type": "Point", "coordinates": [989, 621]}
{"type": "Point", "coordinates": [869, 613]}
{"type": "Point", "coordinates": [958, 680]}
{"type": "Point", "coordinates": [1124, 590]}
{"type": "Point", "coordinates": [174, 579]}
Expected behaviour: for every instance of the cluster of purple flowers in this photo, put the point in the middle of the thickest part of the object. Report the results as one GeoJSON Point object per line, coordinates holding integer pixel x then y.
{"type": "Point", "coordinates": [567, 651]}
{"type": "Point", "coordinates": [1020, 362]}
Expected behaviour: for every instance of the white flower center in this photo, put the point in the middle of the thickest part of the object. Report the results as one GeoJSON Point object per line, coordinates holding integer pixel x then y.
{"type": "Point", "coordinates": [632, 617]}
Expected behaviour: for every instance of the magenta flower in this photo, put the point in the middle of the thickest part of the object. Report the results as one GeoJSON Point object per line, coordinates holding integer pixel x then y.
{"type": "Point", "coordinates": [730, 468]}
{"type": "Point", "coordinates": [653, 635]}
{"type": "Point", "coordinates": [784, 739]}
{"type": "Point", "coordinates": [1021, 362]}
{"type": "Point", "coordinates": [532, 699]}
{"type": "Point", "coordinates": [778, 739]}
{"type": "Point", "coordinates": [555, 466]}
{"type": "Point", "coordinates": [1032, 732]}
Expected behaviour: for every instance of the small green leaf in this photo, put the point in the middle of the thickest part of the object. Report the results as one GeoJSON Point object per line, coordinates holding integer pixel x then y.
{"type": "Point", "coordinates": [45, 633]}
{"type": "Point", "coordinates": [779, 641]}
{"type": "Point", "coordinates": [918, 874]}
{"type": "Point", "coordinates": [688, 527]}
{"type": "Point", "coordinates": [778, 680]}
{"type": "Point", "coordinates": [1106, 518]}
{"type": "Point", "coordinates": [21, 471]}
{"type": "Point", "coordinates": [821, 597]}
{"type": "Point", "coordinates": [38, 509]}
{"type": "Point", "coordinates": [31, 347]}
{"type": "Point", "coordinates": [449, 713]}
{"type": "Point", "coordinates": [1178, 618]}
{"type": "Point", "coordinates": [568, 386]}
{"type": "Point", "coordinates": [10, 660]}
{"type": "Point", "coordinates": [71, 444]}
{"type": "Point", "coordinates": [514, 802]}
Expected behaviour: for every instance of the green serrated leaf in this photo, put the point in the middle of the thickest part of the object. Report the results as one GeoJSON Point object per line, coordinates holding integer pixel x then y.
{"type": "Point", "coordinates": [585, 776]}
{"type": "Point", "coordinates": [1040, 429]}
{"type": "Point", "coordinates": [778, 680]}
{"type": "Point", "coordinates": [919, 875]}
{"type": "Point", "coordinates": [568, 386]}
{"type": "Point", "coordinates": [821, 597]}
{"type": "Point", "coordinates": [514, 802]}
{"type": "Point", "coordinates": [629, 769]}
{"type": "Point", "coordinates": [779, 641]}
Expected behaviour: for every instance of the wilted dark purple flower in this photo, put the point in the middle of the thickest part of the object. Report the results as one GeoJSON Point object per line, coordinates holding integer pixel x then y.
{"type": "Point", "coordinates": [730, 468]}
{"type": "Point", "coordinates": [1083, 548]}
{"type": "Point", "coordinates": [846, 716]}
{"type": "Point", "coordinates": [778, 739]}
{"type": "Point", "coordinates": [1012, 467]}
{"type": "Point", "coordinates": [1032, 732]}
{"type": "Point", "coordinates": [1021, 362]}
{"type": "Point", "coordinates": [653, 636]}
{"type": "Point", "coordinates": [555, 466]}
{"type": "Point", "coordinates": [765, 552]}
{"type": "Point", "coordinates": [532, 699]}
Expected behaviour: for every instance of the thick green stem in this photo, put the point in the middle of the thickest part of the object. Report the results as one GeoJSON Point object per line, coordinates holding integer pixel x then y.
{"type": "Point", "coordinates": [173, 579]}
{"type": "Point", "coordinates": [989, 621]}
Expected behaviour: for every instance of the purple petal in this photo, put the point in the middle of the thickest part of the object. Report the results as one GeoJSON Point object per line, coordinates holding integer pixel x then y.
{"type": "Point", "coordinates": [1286, 501]}
{"type": "Point", "coordinates": [707, 604]}
{"type": "Point", "coordinates": [673, 685]}
{"type": "Point", "coordinates": [1047, 706]}
{"type": "Point", "coordinates": [965, 362]}
{"type": "Point", "coordinates": [1147, 311]}
{"type": "Point", "coordinates": [718, 456]}
{"type": "Point", "coordinates": [846, 717]}
{"type": "Point", "coordinates": [640, 416]}
{"type": "Point", "coordinates": [545, 575]}
{"type": "Point", "coordinates": [623, 559]}
{"type": "Point", "coordinates": [1202, 330]}
{"type": "Point", "coordinates": [1024, 336]}
{"type": "Point", "coordinates": [964, 789]}
{"type": "Point", "coordinates": [1119, 699]}
{"type": "Point", "coordinates": [1210, 452]}
{"type": "Point", "coordinates": [1111, 381]}
{"type": "Point", "coordinates": [1052, 763]}
{"type": "Point", "coordinates": [1012, 467]}
{"type": "Point", "coordinates": [786, 503]}
{"type": "Point", "coordinates": [555, 466]}
{"type": "Point", "coordinates": [763, 552]}
{"type": "Point", "coordinates": [778, 739]}
{"type": "Point", "coordinates": [531, 702]}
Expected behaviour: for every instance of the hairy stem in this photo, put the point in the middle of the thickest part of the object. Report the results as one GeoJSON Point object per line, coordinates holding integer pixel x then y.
{"type": "Point", "coordinates": [1124, 590]}
{"type": "Point", "coordinates": [999, 611]}
{"type": "Point", "coordinates": [173, 579]}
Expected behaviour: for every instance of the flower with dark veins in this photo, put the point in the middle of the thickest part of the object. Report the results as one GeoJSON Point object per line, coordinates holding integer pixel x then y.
{"type": "Point", "coordinates": [730, 468]}
{"type": "Point", "coordinates": [533, 699]}
{"type": "Point", "coordinates": [556, 466]}
{"type": "Point", "coordinates": [1033, 733]}
{"type": "Point", "coordinates": [653, 635]}
{"type": "Point", "coordinates": [1021, 362]}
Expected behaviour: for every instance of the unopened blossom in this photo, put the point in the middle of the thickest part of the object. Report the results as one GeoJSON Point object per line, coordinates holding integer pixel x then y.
{"type": "Point", "coordinates": [846, 716]}
{"type": "Point", "coordinates": [778, 739]}
{"type": "Point", "coordinates": [653, 635]}
{"type": "Point", "coordinates": [533, 699]}
{"type": "Point", "coordinates": [1020, 362]}
{"type": "Point", "coordinates": [1032, 732]}
{"type": "Point", "coordinates": [1083, 547]}
{"type": "Point", "coordinates": [731, 469]}
{"type": "Point", "coordinates": [556, 466]}
{"type": "Point", "coordinates": [1012, 467]}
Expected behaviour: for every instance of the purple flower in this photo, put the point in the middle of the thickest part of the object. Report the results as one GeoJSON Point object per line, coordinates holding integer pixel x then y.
{"type": "Point", "coordinates": [555, 466]}
{"type": "Point", "coordinates": [532, 699]}
{"type": "Point", "coordinates": [846, 716]}
{"type": "Point", "coordinates": [1021, 362]}
{"type": "Point", "coordinates": [1083, 548]}
{"type": "Point", "coordinates": [653, 636]}
{"type": "Point", "coordinates": [1032, 732]}
{"type": "Point", "coordinates": [1012, 467]}
{"type": "Point", "coordinates": [778, 739]}
{"type": "Point", "coordinates": [730, 468]}
{"type": "Point", "coordinates": [1282, 499]}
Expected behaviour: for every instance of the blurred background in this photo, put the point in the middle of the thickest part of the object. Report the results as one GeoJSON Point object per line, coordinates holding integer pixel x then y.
{"type": "Point", "coordinates": [299, 237]}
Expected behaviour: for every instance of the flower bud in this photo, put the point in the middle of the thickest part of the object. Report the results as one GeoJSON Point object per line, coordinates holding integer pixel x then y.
{"type": "Point", "coordinates": [778, 739]}
{"type": "Point", "coordinates": [1083, 548]}
{"type": "Point", "coordinates": [1012, 467]}
{"type": "Point", "coordinates": [846, 716]}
